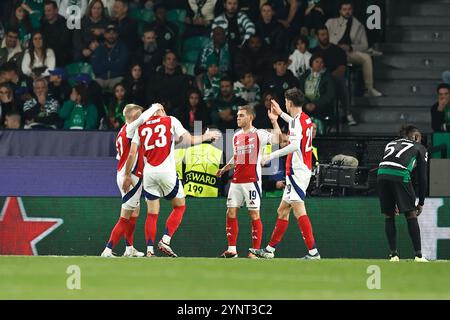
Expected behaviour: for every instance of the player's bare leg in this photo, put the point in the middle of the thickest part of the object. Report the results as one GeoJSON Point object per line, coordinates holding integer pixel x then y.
{"type": "Point", "coordinates": [151, 225]}
{"type": "Point", "coordinates": [172, 223]}
{"type": "Point", "coordinates": [306, 230]}
{"type": "Point", "coordinates": [232, 230]}
{"type": "Point", "coordinates": [118, 232]}
{"type": "Point", "coordinates": [280, 228]}
{"type": "Point", "coordinates": [130, 250]}
{"type": "Point", "coordinates": [257, 229]}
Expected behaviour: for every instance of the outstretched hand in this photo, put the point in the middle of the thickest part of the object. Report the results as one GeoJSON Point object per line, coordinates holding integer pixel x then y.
{"type": "Point", "coordinates": [275, 107]}
{"type": "Point", "coordinates": [272, 116]}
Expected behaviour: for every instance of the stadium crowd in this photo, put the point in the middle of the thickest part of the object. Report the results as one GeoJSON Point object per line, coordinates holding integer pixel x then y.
{"type": "Point", "coordinates": [200, 58]}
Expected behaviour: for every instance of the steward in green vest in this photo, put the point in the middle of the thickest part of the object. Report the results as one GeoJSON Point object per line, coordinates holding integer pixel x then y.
{"type": "Point", "coordinates": [202, 163]}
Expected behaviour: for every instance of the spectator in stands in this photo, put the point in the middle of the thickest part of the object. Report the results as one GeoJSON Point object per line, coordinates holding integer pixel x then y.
{"type": "Point", "coordinates": [237, 25]}
{"type": "Point", "coordinates": [224, 108]}
{"type": "Point", "coordinates": [166, 31]}
{"type": "Point", "coordinates": [110, 59]}
{"type": "Point", "coordinates": [64, 7]}
{"type": "Point", "coordinates": [299, 59]}
{"type": "Point", "coordinates": [20, 20]}
{"type": "Point", "coordinates": [193, 109]}
{"type": "Point", "coordinates": [440, 111]}
{"type": "Point", "coordinates": [247, 89]}
{"type": "Point", "coordinates": [262, 121]}
{"type": "Point", "coordinates": [135, 85]}
{"type": "Point", "coordinates": [13, 121]}
{"type": "Point", "coordinates": [217, 47]}
{"type": "Point", "coordinates": [21, 85]}
{"type": "Point", "coordinates": [38, 59]}
{"type": "Point", "coordinates": [56, 33]}
{"type": "Point", "coordinates": [254, 55]}
{"type": "Point", "coordinates": [288, 13]}
{"type": "Point", "coordinates": [273, 32]}
{"type": "Point", "coordinates": [58, 86]}
{"type": "Point", "coordinates": [77, 112]}
{"type": "Point", "coordinates": [280, 78]}
{"type": "Point", "coordinates": [34, 7]}
{"type": "Point", "coordinates": [11, 50]}
{"type": "Point", "coordinates": [94, 93]}
{"type": "Point", "coordinates": [199, 17]}
{"type": "Point", "coordinates": [148, 54]}
{"type": "Point", "coordinates": [8, 104]}
{"type": "Point", "coordinates": [336, 64]}
{"type": "Point", "coordinates": [108, 6]}
{"type": "Point", "coordinates": [93, 26]}
{"type": "Point", "coordinates": [209, 83]}
{"type": "Point", "coordinates": [315, 15]}
{"type": "Point", "coordinates": [41, 111]}
{"type": "Point", "coordinates": [349, 34]}
{"type": "Point", "coordinates": [446, 76]}
{"type": "Point", "coordinates": [127, 27]}
{"type": "Point", "coordinates": [114, 114]}
{"type": "Point", "coordinates": [318, 87]}
{"type": "Point", "coordinates": [168, 85]}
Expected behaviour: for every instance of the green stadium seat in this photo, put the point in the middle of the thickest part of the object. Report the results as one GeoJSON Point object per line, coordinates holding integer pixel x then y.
{"type": "Point", "coordinates": [178, 17]}
{"type": "Point", "coordinates": [75, 69]}
{"type": "Point", "coordinates": [192, 48]}
{"type": "Point", "coordinates": [188, 68]}
{"type": "Point", "coordinates": [142, 16]}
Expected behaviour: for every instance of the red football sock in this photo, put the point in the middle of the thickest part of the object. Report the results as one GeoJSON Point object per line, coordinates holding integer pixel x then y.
{"type": "Point", "coordinates": [129, 233]}
{"type": "Point", "coordinates": [174, 220]}
{"type": "Point", "coordinates": [150, 228]}
{"type": "Point", "coordinates": [306, 229]}
{"type": "Point", "coordinates": [118, 232]}
{"type": "Point", "coordinates": [232, 229]}
{"type": "Point", "coordinates": [256, 233]}
{"type": "Point", "coordinates": [278, 232]}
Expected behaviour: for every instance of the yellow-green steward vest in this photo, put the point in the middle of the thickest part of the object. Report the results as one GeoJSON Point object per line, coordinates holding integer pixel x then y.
{"type": "Point", "coordinates": [202, 163]}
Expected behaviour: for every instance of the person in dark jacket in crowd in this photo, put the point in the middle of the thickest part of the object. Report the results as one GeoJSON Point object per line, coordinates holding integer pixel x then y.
{"type": "Point", "coordinates": [134, 84]}
{"type": "Point", "coordinates": [272, 31]}
{"type": "Point", "coordinates": [110, 59]}
{"type": "Point", "coordinates": [440, 111]}
{"type": "Point", "coordinates": [193, 109]}
{"type": "Point", "coordinates": [55, 31]}
{"type": "Point", "coordinates": [168, 85]}
{"type": "Point", "coordinates": [148, 54]}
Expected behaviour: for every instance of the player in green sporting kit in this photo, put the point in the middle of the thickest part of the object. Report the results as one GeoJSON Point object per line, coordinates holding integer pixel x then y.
{"type": "Point", "coordinates": [395, 188]}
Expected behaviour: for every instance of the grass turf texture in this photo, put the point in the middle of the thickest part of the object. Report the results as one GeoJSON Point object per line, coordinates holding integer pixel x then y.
{"type": "Point", "coordinates": [207, 278]}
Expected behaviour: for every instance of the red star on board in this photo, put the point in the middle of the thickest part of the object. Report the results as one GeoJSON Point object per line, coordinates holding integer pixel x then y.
{"type": "Point", "coordinates": [19, 233]}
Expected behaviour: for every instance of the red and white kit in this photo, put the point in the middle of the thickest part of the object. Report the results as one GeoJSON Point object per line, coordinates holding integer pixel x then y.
{"type": "Point", "coordinates": [299, 161]}
{"type": "Point", "coordinates": [157, 136]}
{"type": "Point", "coordinates": [246, 183]}
{"type": "Point", "coordinates": [130, 199]}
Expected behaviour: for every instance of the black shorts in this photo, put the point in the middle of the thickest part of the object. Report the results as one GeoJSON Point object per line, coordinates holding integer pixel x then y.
{"type": "Point", "coordinates": [398, 193]}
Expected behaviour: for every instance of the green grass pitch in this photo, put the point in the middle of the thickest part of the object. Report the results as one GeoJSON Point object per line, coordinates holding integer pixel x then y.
{"type": "Point", "coordinates": [208, 278]}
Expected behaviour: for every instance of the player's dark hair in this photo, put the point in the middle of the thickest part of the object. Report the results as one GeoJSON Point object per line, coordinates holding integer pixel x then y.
{"type": "Point", "coordinates": [408, 130]}
{"type": "Point", "coordinates": [296, 96]}
{"type": "Point", "coordinates": [443, 86]}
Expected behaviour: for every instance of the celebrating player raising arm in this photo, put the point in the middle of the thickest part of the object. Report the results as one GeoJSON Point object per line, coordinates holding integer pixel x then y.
{"type": "Point", "coordinates": [130, 197]}
{"type": "Point", "coordinates": [248, 146]}
{"type": "Point", "coordinates": [157, 136]}
{"type": "Point", "coordinates": [298, 173]}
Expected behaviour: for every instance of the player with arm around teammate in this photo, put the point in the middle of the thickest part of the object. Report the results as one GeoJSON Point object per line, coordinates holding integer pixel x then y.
{"type": "Point", "coordinates": [130, 197]}
{"type": "Point", "coordinates": [248, 147]}
{"type": "Point", "coordinates": [298, 173]}
{"type": "Point", "coordinates": [395, 189]}
{"type": "Point", "coordinates": [157, 136]}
